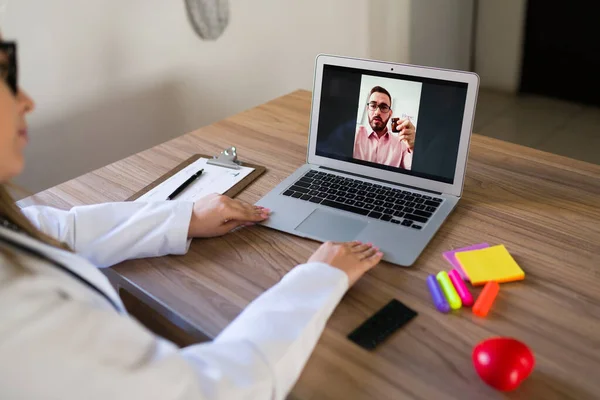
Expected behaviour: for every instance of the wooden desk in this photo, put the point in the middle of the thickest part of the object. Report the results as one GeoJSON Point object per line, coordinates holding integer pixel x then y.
{"type": "Point", "coordinates": [544, 208]}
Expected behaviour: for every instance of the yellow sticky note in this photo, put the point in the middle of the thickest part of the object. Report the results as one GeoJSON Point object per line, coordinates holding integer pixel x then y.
{"type": "Point", "coordinates": [491, 264]}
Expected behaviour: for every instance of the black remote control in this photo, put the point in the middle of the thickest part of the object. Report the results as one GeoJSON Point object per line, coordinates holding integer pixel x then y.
{"type": "Point", "coordinates": [382, 324]}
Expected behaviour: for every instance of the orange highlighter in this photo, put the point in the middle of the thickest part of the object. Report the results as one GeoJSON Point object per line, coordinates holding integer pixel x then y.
{"type": "Point", "coordinates": [486, 299]}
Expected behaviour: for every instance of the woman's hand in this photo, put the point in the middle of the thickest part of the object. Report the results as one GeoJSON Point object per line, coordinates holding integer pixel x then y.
{"type": "Point", "coordinates": [215, 215]}
{"type": "Point", "coordinates": [354, 258]}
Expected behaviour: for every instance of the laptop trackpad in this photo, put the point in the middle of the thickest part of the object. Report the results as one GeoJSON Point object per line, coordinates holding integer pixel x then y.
{"type": "Point", "coordinates": [329, 225]}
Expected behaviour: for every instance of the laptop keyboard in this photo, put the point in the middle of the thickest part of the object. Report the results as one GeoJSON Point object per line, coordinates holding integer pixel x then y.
{"type": "Point", "coordinates": [401, 207]}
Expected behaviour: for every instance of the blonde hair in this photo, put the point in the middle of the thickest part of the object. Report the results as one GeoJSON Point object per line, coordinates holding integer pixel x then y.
{"type": "Point", "coordinates": [12, 213]}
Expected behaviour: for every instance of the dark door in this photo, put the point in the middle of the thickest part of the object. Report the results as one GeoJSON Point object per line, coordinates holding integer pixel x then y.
{"type": "Point", "coordinates": [561, 52]}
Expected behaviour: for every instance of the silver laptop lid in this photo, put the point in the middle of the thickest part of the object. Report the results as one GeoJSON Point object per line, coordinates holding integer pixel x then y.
{"type": "Point", "coordinates": [355, 103]}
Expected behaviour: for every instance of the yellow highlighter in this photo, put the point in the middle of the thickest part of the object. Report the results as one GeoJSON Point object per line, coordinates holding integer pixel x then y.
{"type": "Point", "coordinates": [449, 290]}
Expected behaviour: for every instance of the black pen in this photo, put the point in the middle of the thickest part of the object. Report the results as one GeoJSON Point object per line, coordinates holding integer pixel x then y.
{"type": "Point", "coordinates": [184, 185]}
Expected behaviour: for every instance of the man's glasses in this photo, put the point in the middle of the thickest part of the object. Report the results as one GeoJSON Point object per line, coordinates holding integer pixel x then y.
{"type": "Point", "coordinates": [382, 107]}
{"type": "Point", "coordinates": [8, 65]}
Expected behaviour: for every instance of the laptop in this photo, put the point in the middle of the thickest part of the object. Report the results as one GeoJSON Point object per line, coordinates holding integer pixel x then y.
{"type": "Point", "coordinates": [387, 154]}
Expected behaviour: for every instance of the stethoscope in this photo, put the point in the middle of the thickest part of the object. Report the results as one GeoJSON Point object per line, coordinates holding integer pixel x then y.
{"type": "Point", "coordinates": [42, 256]}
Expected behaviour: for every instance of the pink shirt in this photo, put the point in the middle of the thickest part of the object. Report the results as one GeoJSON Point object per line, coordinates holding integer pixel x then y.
{"type": "Point", "coordinates": [387, 149]}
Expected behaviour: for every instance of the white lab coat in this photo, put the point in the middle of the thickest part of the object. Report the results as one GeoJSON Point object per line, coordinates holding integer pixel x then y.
{"type": "Point", "coordinates": [61, 340]}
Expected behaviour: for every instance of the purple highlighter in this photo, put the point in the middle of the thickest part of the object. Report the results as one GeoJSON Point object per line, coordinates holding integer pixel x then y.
{"type": "Point", "coordinates": [437, 295]}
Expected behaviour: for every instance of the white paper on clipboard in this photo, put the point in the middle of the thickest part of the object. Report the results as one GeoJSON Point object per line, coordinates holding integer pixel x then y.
{"type": "Point", "coordinates": [214, 179]}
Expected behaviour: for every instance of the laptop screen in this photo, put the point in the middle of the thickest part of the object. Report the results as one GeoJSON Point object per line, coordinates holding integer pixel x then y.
{"type": "Point", "coordinates": [400, 123]}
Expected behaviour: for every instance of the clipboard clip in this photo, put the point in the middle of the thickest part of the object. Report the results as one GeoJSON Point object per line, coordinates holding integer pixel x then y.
{"type": "Point", "coordinates": [227, 158]}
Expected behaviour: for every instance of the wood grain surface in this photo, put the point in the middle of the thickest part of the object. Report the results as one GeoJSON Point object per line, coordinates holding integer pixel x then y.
{"type": "Point", "coordinates": [544, 208]}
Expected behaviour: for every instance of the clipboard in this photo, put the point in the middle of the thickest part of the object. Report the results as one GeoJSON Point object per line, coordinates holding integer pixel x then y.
{"type": "Point", "coordinates": [232, 192]}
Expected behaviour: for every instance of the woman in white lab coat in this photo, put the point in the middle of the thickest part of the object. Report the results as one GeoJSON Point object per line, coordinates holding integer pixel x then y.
{"type": "Point", "coordinates": [64, 333]}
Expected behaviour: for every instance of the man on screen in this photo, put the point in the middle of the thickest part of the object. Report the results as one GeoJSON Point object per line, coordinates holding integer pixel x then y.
{"type": "Point", "coordinates": [375, 143]}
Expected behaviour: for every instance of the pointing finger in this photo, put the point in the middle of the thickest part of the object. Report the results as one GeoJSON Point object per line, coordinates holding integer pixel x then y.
{"type": "Point", "coordinates": [404, 124]}
{"type": "Point", "coordinates": [373, 260]}
{"type": "Point", "coordinates": [245, 213]}
{"type": "Point", "coordinates": [362, 248]}
{"type": "Point", "coordinates": [368, 253]}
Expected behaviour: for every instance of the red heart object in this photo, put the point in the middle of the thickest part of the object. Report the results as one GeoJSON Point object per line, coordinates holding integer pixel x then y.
{"type": "Point", "coordinates": [503, 363]}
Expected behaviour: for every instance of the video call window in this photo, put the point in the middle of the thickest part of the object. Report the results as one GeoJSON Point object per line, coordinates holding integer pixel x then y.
{"type": "Point", "coordinates": [399, 123]}
{"type": "Point", "coordinates": [386, 121]}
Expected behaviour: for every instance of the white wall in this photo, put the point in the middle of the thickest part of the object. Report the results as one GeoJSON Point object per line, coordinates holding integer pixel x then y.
{"type": "Point", "coordinates": [441, 33]}
{"type": "Point", "coordinates": [499, 44]}
{"type": "Point", "coordinates": [115, 77]}
{"type": "Point", "coordinates": [389, 30]}
{"type": "Point", "coordinates": [436, 33]}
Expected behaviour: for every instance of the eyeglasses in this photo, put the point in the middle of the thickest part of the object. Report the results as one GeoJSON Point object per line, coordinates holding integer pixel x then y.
{"type": "Point", "coordinates": [8, 65]}
{"type": "Point", "coordinates": [384, 108]}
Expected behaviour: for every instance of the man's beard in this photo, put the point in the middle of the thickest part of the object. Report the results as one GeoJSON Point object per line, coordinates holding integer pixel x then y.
{"type": "Point", "coordinates": [378, 124]}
